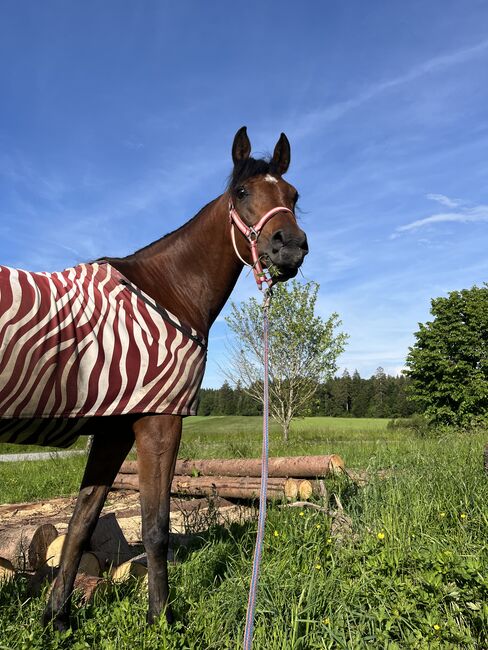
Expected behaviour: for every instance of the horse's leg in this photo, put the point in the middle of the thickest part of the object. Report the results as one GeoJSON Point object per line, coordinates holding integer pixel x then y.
{"type": "Point", "coordinates": [157, 440]}
{"type": "Point", "coordinates": [107, 453]}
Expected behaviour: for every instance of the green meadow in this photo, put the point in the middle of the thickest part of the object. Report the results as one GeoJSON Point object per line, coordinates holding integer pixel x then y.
{"type": "Point", "coordinates": [411, 570]}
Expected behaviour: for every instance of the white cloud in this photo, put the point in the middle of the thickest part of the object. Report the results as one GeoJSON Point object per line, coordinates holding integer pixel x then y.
{"type": "Point", "coordinates": [444, 200]}
{"type": "Point", "coordinates": [476, 214]}
{"type": "Point", "coordinates": [316, 119]}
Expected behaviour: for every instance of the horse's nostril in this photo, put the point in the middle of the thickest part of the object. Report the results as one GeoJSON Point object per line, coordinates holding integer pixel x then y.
{"type": "Point", "coordinates": [277, 241]}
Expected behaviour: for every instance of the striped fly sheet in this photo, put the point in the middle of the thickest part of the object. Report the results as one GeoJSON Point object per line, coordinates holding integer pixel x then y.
{"type": "Point", "coordinates": [85, 342]}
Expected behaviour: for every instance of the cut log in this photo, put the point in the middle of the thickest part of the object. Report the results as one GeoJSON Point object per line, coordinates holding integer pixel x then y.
{"type": "Point", "coordinates": [26, 547]}
{"type": "Point", "coordinates": [53, 554]}
{"type": "Point", "coordinates": [7, 571]}
{"type": "Point", "coordinates": [224, 486]}
{"type": "Point", "coordinates": [90, 564]}
{"type": "Point", "coordinates": [130, 569]}
{"type": "Point", "coordinates": [286, 466]}
{"type": "Point", "coordinates": [108, 541]}
{"type": "Point", "coordinates": [291, 489]}
{"type": "Point", "coordinates": [305, 490]}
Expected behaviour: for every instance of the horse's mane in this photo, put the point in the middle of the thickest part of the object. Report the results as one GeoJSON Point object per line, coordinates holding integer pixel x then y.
{"type": "Point", "coordinates": [242, 171]}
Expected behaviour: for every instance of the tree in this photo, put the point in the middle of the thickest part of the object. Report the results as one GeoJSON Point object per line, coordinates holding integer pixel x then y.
{"type": "Point", "coordinates": [448, 364]}
{"type": "Point", "coordinates": [303, 349]}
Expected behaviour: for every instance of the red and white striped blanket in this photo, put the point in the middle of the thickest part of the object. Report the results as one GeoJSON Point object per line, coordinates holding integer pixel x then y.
{"type": "Point", "coordinates": [85, 342]}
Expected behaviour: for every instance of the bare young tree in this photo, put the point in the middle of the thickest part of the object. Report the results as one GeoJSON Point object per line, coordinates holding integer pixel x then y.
{"type": "Point", "coordinates": [303, 349]}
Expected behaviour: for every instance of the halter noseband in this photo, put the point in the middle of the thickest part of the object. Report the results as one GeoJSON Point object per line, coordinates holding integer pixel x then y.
{"type": "Point", "coordinates": [251, 233]}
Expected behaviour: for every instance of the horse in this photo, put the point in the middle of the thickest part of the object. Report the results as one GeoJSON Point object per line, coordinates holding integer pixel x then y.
{"type": "Point", "coordinates": [191, 272]}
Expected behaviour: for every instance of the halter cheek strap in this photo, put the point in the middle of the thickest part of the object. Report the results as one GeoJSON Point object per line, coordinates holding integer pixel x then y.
{"type": "Point", "coordinates": [251, 233]}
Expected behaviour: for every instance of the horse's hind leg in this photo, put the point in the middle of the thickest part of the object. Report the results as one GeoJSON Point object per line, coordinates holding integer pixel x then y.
{"type": "Point", "coordinates": [107, 453]}
{"type": "Point", "coordinates": [157, 440]}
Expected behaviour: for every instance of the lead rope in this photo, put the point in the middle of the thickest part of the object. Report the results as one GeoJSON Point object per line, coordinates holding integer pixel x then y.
{"type": "Point", "coordinates": [251, 603]}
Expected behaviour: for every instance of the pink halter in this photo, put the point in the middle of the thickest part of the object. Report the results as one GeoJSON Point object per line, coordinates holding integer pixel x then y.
{"type": "Point", "coordinates": [251, 233]}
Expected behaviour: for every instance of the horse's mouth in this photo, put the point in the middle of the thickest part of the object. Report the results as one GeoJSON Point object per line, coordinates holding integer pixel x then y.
{"type": "Point", "coordinates": [280, 273]}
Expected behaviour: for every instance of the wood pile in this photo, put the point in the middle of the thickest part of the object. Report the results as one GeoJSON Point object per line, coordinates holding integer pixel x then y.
{"type": "Point", "coordinates": [289, 477]}
{"type": "Point", "coordinates": [36, 547]}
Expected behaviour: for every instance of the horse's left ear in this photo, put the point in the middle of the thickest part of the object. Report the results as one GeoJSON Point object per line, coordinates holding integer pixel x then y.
{"type": "Point", "coordinates": [281, 156]}
{"type": "Point", "coordinates": [241, 148]}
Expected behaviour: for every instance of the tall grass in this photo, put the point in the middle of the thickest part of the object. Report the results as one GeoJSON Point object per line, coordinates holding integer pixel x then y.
{"type": "Point", "coordinates": [413, 573]}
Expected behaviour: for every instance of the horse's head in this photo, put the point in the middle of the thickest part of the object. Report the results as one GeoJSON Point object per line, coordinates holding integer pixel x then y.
{"type": "Point", "coordinates": [262, 207]}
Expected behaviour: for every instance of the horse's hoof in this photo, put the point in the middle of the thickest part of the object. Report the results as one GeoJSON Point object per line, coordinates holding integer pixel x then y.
{"type": "Point", "coordinates": [168, 612]}
{"type": "Point", "coordinates": [58, 623]}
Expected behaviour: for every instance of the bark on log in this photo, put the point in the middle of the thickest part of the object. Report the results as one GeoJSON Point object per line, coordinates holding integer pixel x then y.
{"type": "Point", "coordinates": [91, 586]}
{"type": "Point", "coordinates": [26, 548]}
{"type": "Point", "coordinates": [286, 466]}
{"type": "Point", "coordinates": [223, 486]}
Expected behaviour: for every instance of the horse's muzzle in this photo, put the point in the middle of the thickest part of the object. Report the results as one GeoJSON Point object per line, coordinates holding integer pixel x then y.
{"type": "Point", "coordinates": [286, 251]}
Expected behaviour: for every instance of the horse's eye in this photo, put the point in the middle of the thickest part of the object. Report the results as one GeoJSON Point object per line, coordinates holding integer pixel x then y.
{"type": "Point", "coordinates": [241, 192]}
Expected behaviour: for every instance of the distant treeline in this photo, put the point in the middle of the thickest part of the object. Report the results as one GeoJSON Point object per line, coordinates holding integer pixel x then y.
{"type": "Point", "coordinates": [380, 396]}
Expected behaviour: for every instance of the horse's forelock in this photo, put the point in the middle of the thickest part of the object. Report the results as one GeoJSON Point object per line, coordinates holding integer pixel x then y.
{"type": "Point", "coordinates": [247, 169]}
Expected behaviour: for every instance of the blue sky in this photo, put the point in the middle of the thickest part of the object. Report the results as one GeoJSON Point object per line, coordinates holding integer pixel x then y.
{"type": "Point", "coordinates": [117, 119]}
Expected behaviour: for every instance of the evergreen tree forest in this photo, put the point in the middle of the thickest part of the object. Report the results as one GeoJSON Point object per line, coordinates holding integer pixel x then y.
{"type": "Point", "coordinates": [380, 396]}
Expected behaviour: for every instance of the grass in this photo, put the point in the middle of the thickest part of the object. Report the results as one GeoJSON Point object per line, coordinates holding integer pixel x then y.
{"type": "Point", "coordinates": [413, 575]}
{"type": "Point", "coordinates": [8, 448]}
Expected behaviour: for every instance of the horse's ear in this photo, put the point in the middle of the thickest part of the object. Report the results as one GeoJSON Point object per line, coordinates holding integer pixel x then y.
{"type": "Point", "coordinates": [281, 155]}
{"type": "Point", "coordinates": [241, 149]}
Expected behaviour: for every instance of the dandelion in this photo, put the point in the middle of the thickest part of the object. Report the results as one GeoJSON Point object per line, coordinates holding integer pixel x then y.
{"type": "Point", "coordinates": [381, 535]}
{"type": "Point", "coordinates": [436, 627]}
{"type": "Point", "coordinates": [302, 514]}
{"type": "Point", "coordinates": [276, 533]}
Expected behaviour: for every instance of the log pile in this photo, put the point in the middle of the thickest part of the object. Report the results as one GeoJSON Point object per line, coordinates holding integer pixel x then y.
{"type": "Point", "coordinates": [36, 549]}
{"type": "Point", "coordinates": [289, 477]}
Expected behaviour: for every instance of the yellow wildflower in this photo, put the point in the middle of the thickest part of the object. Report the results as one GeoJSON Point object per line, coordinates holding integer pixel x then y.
{"type": "Point", "coordinates": [463, 515]}
{"type": "Point", "coordinates": [326, 620]}
{"type": "Point", "coordinates": [380, 535]}
{"type": "Point", "coordinates": [276, 533]}
{"type": "Point", "coordinates": [318, 567]}
{"type": "Point", "coordinates": [302, 514]}
{"type": "Point", "coordinates": [442, 514]}
{"type": "Point", "coordinates": [436, 627]}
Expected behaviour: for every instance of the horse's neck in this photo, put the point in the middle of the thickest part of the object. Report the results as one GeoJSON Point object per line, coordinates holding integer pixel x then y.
{"type": "Point", "coordinates": [192, 271]}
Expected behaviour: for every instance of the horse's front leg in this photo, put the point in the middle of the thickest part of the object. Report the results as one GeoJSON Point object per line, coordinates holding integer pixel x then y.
{"type": "Point", "coordinates": [107, 453]}
{"type": "Point", "coordinates": [157, 439]}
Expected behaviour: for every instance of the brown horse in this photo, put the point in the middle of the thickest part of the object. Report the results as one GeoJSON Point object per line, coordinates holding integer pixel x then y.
{"type": "Point", "coordinates": [192, 272]}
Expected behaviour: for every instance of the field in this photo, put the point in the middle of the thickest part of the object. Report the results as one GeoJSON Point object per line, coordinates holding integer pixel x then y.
{"type": "Point", "coordinates": [413, 573]}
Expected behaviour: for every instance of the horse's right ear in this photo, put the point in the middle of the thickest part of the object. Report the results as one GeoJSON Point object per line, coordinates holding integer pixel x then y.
{"type": "Point", "coordinates": [241, 149]}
